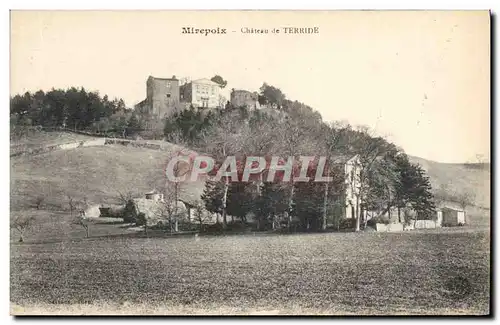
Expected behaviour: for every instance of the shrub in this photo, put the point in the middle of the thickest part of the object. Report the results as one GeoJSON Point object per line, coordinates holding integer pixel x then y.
{"type": "Point", "coordinates": [236, 226]}
{"type": "Point", "coordinates": [188, 226]}
{"type": "Point", "coordinates": [129, 214]}
{"type": "Point", "coordinates": [347, 224]}
{"type": "Point", "coordinates": [111, 212]}
{"type": "Point", "coordinates": [141, 219]}
{"type": "Point", "coordinates": [214, 228]}
{"type": "Point", "coordinates": [381, 219]}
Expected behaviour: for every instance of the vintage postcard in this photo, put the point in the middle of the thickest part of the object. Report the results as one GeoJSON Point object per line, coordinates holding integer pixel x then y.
{"type": "Point", "coordinates": [250, 163]}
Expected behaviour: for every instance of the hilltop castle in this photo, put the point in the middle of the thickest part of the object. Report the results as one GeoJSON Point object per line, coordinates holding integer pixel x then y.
{"type": "Point", "coordinates": [165, 96]}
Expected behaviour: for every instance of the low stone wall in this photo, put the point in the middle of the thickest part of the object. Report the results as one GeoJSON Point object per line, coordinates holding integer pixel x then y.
{"type": "Point", "coordinates": [135, 143]}
{"type": "Point", "coordinates": [68, 146]}
{"type": "Point", "coordinates": [418, 224]}
{"type": "Point", "coordinates": [93, 211]}
{"type": "Point", "coordinates": [425, 224]}
{"type": "Point", "coordinates": [138, 144]}
{"type": "Point", "coordinates": [392, 227]}
{"type": "Point", "coordinates": [93, 143]}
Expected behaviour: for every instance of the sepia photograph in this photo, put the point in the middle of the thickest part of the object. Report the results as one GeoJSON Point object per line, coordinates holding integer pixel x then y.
{"type": "Point", "coordinates": [250, 162]}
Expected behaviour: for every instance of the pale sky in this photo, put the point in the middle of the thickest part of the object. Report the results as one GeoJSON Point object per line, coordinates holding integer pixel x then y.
{"type": "Point", "coordinates": [420, 78]}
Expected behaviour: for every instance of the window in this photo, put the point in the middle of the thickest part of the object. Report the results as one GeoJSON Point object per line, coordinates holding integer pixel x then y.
{"type": "Point", "coordinates": [168, 95]}
{"type": "Point", "coordinates": [168, 84]}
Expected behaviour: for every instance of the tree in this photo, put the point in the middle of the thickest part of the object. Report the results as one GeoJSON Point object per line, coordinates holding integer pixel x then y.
{"type": "Point", "coordinates": [371, 151]}
{"type": "Point", "coordinates": [188, 126]}
{"type": "Point", "coordinates": [129, 213]}
{"type": "Point", "coordinates": [72, 204]}
{"type": "Point", "coordinates": [224, 139]}
{"type": "Point", "coordinates": [173, 188]}
{"type": "Point", "coordinates": [309, 204]}
{"type": "Point", "coordinates": [38, 201]}
{"type": "Point", "coordinates": [415, 190]}
{"type": "Point", "coordinates": [142, 221]}
{"type": "Point", "coordinates": [85, 222]}
{"type": "Point", "coordinates": [331, 144]}
{"type": "Point", "coordinates": [465, 199]}
{"type": "Point", "coordinates": [241, 199]}
{"type": "Point", "coordinates": [441, 195]}
{"type": "Point", "coordinates": [260, 140]}
{"type": "Point", "coordinates": [170, 206]}
{"type": "Point", "coordinates": [384, 189]}
{"type": "Point", "coordinates": [81, 219]}
{"type": "Point", "coordinates": [212, 197]}
{"type": "Point", "coordinates": [133, 124]}
{"type": "Point", "coordinates": [75, 108]}
{"type": "Point", "coordinates": [294, 140]}
{"type": "Point", "coordinates": [21, 225]}
{"type": "Point", "coordinates": [219, 80]}
{"type": "Point", "coordinates": [199, 214]}
{"type": "Point", "coordinates": [273, 203]}
{"type": "Point", "coordinates": [271, 95]}
{"type": "Point", "coordinates": [222, 101]}
{"type": "Point", "coordinates": [421, 198]}
{"type": "Point", "coordinates": [125, 196]}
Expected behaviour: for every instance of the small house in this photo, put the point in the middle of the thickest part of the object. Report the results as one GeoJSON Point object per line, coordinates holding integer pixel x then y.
{"type": "Point", "coordinates": [155, 208]}
{"type": "Point", "coordinates": [155, 196]}
{"type": "Point", "coordinates": [453, 217]}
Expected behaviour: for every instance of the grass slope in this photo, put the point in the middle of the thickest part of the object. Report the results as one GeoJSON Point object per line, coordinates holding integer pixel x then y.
{"type": "Point", "coordinates": [97, 173]}
{"type": "Point", "coordinates": [38, 139]}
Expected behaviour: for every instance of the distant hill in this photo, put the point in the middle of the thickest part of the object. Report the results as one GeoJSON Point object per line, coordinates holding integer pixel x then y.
{"type": "Point", "coordinates": [461, 178]}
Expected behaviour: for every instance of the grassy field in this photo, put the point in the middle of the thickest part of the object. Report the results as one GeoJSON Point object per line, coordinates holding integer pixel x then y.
{"type": "Point", "coordinates": [335, 273]}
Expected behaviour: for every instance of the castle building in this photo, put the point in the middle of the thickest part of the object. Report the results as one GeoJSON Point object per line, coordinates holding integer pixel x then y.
{"type": "Point", "coordinates": [162, 97]}
{"type": "Point", "coordinates": [244, 98]}
{"type": "Point", "coordinates": [201, 93]}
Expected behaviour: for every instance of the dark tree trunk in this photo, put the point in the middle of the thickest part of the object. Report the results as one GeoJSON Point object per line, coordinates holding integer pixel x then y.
{"type": "Point", "coordinates": [357, 215]}
{"type": "Point", "coordinates": [325, 204]}
{"type": "Point", "coordinates": [224, 204]}
{"type": "Point", "coordinates": [288, 215]}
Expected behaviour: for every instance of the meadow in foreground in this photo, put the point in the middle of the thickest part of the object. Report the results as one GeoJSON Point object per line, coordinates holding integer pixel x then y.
{"type": "Point", "coordinates": [317, 273]}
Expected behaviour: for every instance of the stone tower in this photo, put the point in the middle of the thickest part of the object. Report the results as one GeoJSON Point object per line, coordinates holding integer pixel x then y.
{"type": "Point", "coordinates": [162, 96]}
